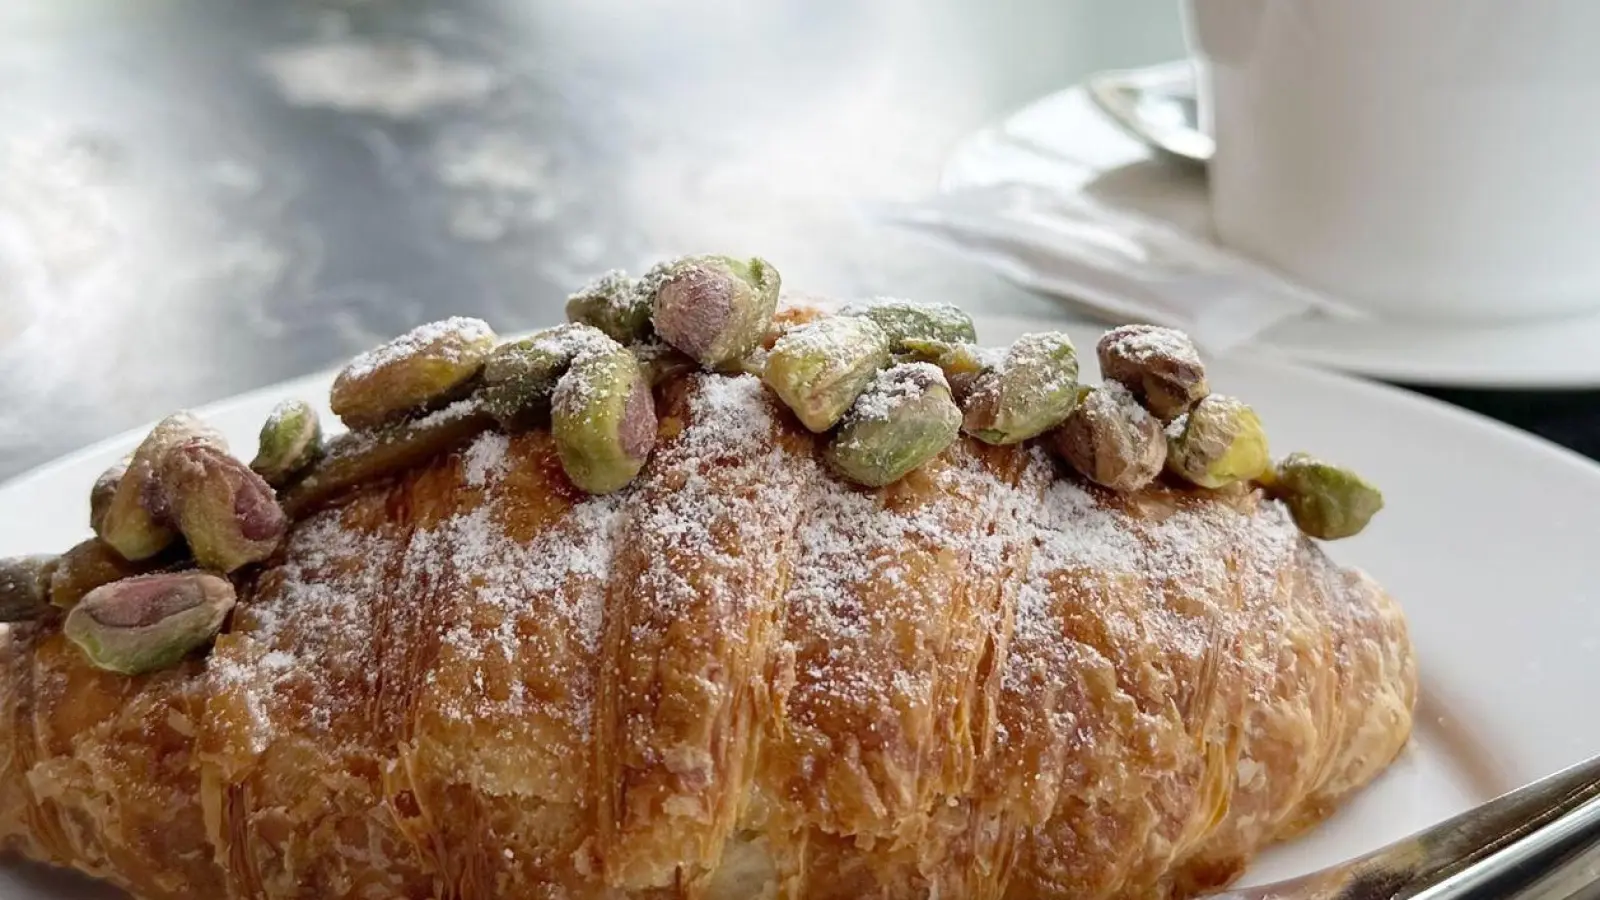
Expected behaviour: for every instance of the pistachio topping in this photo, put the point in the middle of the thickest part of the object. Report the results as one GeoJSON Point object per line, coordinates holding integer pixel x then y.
{"type": "Point", "coordinates": [1326, 501]}
{"type": "Point", "coordinates": [104, 491]}
{"type": "Point", "coordinates": [1111, 440]}
{"type": "Point", "coordinates": [903, 419]}
{"type": "Point", "coordinates": [961, 363]}
{"type": "Point", "coordinates": [424, 367]}
{"type": "Point", "coordinates": [603, 420]}
{"type": "Point", "coordinates": [228, 514]}
{"type": "Point", "coordinates": [135, 520]}
{"type": "Point", "coordinates": [820, 368]}
{"type": "Point", "coordinates": [290, 440]}
{"type": "Point", "coordinates": [520, 377]}
{"type": "Point", "coordinates": [89, 564]}
{"type": "Point", "coordinates": [615, 304]}
{"type": "Point", "coordinates": [149, 622]}
{"type": "Point", "coordinates": [663, 362]}
{"type": "Point", "coordinates": [904, 320]}
{"type": "Point", "coordinates": [715, 308]}
{"type": "Point", "coordinates": [1219, 442]}
{"type": "Point", "coordinates": [1159, 365]}
{"type": "Point", "coordinates": [899, 381]}
{"type": "Point", "coordinates": [1032, 390]}
{"type": "Point", "coordinates": [25, 587]}
{"type": "Point", "coordinates": [360, 458]}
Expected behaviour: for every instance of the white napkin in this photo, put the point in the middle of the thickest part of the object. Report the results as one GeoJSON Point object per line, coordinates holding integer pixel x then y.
{"type": "Point", "coordinates": [1062, 202]}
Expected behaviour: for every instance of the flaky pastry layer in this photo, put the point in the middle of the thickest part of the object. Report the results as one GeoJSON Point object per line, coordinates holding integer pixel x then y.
{"type": "Point", "coordinates": [738, 678]}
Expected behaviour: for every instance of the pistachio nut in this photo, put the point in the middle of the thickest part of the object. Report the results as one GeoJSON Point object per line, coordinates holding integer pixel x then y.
{"type": "Point", "coordinates": [663, 362]}
{"type": "Point", "coordinates": [603, 420]}
{"type": "Point", "coordinates": [228, 514]}
{"type": "Point", "coordinates": [1327, 502]}
{"type": "Point", "coordinates": [360, 458]}
{"type": "Point", "coordinates": [904, 418]}
{"type": "Point", "coordinates": [105, 488]}
{"type": "Point", "coordinates": [25, 587]}
{"type": "Point", "coordinates": [961, 363]}
{"type": "Point", "coordinates": [1159, 365]}
{"type": "Point", "coordinates": [715, 308]}
{"type": "Point", "coordinates": [1032, 390]}
{"type": "Point", "coordinates": [1111, 440]}
{"type": "Point", "coordinates": [90, 564]}
{"type": "Point", "coordinates": [290, 441]}
{"type": "Point", "coordinates": [135, 520]}
{"type": "Point", "coordinates": [615, 304]}
{"type": "Point", "coordinates": [149, 622]}
{"type": "Point", "coordinates": [753, 363]}
{"type": "Point", "coordinates": [428, 365]}
{"type": "Point", "coordinates": [904, 320]}
{"type": "Point", "coordinates": [520, 376]}
{"type": "Point", "coordinates": [819, 369]}
{"type": "Point", "coordinates": [1219, 442]}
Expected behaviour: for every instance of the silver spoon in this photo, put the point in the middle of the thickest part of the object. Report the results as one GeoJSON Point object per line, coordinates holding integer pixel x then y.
{"type": "Point", "coordinates": [1158, 107]}
{"type": "Point", "coordinates": [1536, 840]}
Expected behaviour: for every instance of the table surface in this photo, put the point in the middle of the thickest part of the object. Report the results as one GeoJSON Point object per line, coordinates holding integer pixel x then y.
{"type": "Point", "coordinates": [200, 197]}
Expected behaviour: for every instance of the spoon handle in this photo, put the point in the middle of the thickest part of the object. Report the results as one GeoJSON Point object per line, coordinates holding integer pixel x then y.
{"type": "Point", "coordinates": [1518, 838]}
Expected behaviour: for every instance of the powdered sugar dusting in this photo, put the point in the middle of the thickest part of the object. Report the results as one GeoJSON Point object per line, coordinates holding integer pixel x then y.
{"type": "Point", "coordinates": [545, 598]}
{"type": "Point", "coordinates": [446, 338]}
{"type": "Point", "coordinates": [568, 342]}
{"type": "Point", "coordinates": [833, 337]}
{"type": "Point", "coordinates": [485, 460]}
{"type": "Point", "coordinates": [1147, 575]}
{"type": "Point", "coordinates": [730, 415]}
{"type": "Point", "coordinates": [319, 620]}
{"type": "Point", "coordinates": [1143, 343]}
{"type": "Point", "coordinates": [867, 570]}
{"type": "Point", "coordinates": [698, 585]}
{"type": "Point", "coordinates": [1040, 352]}
{"type": "Point", "coordinates": [615, 291]}
{"type": "Point", "coordinates": [518, 621]}
{"type": "Point", "coordinates": [726, 477]}
{"type": "Point", "coordinates": [894, 386]}
{"type": "Point", "coordinates": [1128, 406]}
{"type": "Point", "coordinates": [582, 383]}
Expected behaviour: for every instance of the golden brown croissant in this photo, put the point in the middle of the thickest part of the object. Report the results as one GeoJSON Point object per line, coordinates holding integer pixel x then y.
{"type": "Point", "coordinates": [738, 678]}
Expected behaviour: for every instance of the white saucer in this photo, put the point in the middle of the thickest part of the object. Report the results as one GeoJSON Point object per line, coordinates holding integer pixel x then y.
{"type": "Point", "coordinates": [1055, 139]}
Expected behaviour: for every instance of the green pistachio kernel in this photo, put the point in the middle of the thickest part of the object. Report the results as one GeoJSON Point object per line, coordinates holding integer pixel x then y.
{"type": "Point", "coordinates": [603, 420]}
{"type": "Point", "coordinates": [903, 419]}
{"type": "Point", "coordinates": [149, 622]}
{"type": "Point", "coordinates": [1219, 442]}
{"type": "Point", "coordinates": [1032, 390]}
{"type": "Point", "coordinates": [820, 368]}
{"type": "Point", "coordinates": [1327, 502]}
{"type": "Point", "coordinates": [903, 320]}
{"type": "Point", "coordinates": [715, 308]}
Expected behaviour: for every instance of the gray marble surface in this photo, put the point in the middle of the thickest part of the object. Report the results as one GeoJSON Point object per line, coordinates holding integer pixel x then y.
{"type": "Point", "coordinates": [198, 197]}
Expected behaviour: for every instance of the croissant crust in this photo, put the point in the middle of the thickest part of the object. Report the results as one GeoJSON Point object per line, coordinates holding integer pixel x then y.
{"type": "Point", "coordinates": [738, 678]}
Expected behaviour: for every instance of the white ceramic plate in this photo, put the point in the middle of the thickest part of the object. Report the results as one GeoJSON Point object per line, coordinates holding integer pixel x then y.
{"type": "Point", "coordinates": [1487, 540]}
{"type": "Point", "coordinates": [1062, 139]}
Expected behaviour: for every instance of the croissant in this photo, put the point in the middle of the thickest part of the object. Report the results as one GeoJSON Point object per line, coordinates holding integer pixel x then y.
{"type": "Point", "coordinates": [738, 678]}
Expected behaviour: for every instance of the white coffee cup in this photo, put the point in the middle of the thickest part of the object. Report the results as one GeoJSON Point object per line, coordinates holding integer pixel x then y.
{"type": "Point", "coordinates": [1432, 159]}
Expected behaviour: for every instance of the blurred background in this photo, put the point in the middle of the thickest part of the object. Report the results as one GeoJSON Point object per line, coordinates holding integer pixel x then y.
{"type": "Point", "coordinates": [199, 197]}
